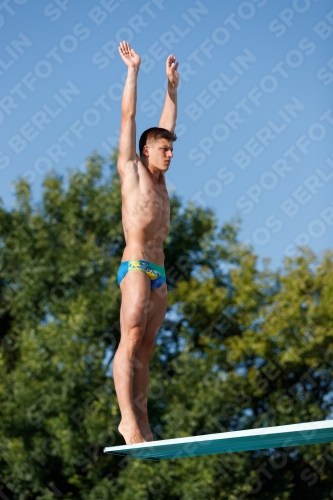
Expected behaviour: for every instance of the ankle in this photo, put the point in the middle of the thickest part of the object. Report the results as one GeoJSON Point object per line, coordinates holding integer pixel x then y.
{"type": "Point", "coordinates": [128, 418]}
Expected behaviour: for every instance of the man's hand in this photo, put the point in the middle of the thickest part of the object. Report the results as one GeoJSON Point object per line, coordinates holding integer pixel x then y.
{"type": "Point", "coordinates": [128, 55]}
{"type": "Point", "coordinates": [171, 71]}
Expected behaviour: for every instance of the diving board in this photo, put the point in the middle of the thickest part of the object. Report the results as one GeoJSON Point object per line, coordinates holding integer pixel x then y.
{"type": "Point", "coordinates": [282, 436]}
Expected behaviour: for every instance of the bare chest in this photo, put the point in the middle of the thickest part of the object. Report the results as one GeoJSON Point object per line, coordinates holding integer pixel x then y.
{"type": "Point", "coordinates": [154, 198]}
{"type": "Point", "coordinates": [149, 200]}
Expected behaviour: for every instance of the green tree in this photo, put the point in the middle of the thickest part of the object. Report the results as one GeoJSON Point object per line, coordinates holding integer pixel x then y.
{"type": "Point", "coordinates": [240, 348]}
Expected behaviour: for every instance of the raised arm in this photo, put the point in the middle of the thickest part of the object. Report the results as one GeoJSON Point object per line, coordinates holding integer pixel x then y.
{"type": "Point", "coordinates": [169, 113]}
{"type": "Point", "coordinates": [127, 141]}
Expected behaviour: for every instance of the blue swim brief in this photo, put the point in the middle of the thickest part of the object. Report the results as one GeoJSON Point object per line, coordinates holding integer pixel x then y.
{"type": "Point", "coordinates": [155, 273]}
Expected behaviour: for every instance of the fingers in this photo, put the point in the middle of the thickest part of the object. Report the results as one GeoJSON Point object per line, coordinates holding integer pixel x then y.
{"type": "Point", "coordinates": [126, 50]}
{"type": "Point", "coordinates": [171, 60]}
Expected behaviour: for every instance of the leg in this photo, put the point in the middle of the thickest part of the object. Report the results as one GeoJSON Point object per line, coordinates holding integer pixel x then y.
{"type": "Point", "coordinates": [135, 290]}
{"type": "Point", "coordinates": [155, 317]}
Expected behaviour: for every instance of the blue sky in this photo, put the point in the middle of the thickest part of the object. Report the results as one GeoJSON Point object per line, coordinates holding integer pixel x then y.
{"type": "Point", "coordinates": [255, 123]}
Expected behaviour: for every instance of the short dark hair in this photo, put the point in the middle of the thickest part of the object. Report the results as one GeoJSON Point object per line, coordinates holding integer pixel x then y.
{"type": "Point", "coordinates": [153, 134]}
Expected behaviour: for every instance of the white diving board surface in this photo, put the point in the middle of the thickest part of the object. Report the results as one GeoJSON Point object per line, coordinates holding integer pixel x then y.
{"type": "Point", "coordinates": [282, 436]}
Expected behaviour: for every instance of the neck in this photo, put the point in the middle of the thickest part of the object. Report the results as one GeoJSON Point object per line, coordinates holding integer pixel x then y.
{"type": "Point", "coordinates": [154, 171]}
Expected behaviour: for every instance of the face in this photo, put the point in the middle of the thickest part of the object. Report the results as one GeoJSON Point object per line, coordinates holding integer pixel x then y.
{"type": "Point", "coordinates": [159, 154]}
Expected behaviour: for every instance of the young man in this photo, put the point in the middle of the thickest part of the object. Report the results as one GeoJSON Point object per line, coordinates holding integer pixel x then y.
{"type": "Point", "coordinates": [146, 218]}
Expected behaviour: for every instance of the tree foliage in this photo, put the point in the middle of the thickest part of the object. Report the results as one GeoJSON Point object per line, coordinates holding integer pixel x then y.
{"type": "Point", "coordinates": [240, 348]}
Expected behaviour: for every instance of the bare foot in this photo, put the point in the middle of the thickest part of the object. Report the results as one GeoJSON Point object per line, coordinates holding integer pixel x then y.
{"type": "Point", "coordinates": [131, 432]}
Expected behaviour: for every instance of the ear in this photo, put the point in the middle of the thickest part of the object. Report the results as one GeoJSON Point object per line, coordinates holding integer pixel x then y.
{"type": "Point", "coordinates": [145, 150]}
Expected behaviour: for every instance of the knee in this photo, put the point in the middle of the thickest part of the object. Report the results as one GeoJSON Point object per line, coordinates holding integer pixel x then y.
{"type": "Point", "coordinates": [132, 338]}
{"type": "Point", "coordinates": [134, 318]}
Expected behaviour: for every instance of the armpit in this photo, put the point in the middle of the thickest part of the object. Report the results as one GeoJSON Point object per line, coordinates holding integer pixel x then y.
{"type": "Point", "coordinates": [128, 167]}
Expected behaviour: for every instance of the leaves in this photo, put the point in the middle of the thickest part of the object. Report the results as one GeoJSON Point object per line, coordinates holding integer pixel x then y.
{"type": "Point", "coordinates": [240, 348]}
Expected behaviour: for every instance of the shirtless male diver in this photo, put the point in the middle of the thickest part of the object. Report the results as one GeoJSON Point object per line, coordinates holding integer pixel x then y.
{"type": "Point", "coordinates": [146, 220]}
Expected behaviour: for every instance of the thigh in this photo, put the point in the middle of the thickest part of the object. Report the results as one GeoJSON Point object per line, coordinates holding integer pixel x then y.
{"type": "Point", "coordinates": [135, 294]}
{"type": "Point", "coordinates": [156, 313]}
